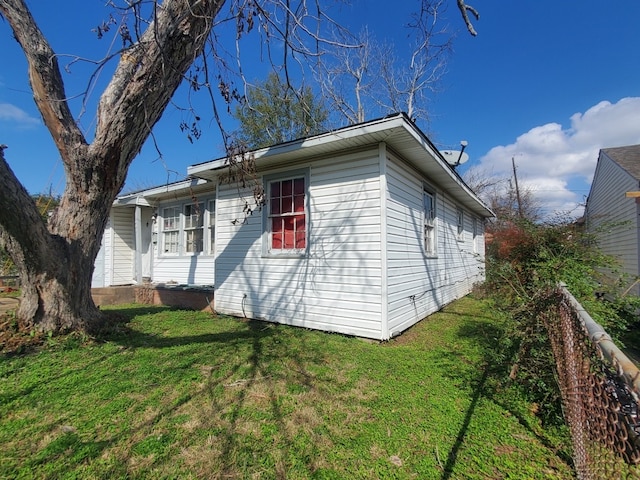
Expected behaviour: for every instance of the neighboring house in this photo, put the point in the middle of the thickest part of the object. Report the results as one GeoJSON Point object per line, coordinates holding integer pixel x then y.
{"type": "Point", "coordinates": [610, 214]}
{"type": "Point", "coordinates": [365, 231]}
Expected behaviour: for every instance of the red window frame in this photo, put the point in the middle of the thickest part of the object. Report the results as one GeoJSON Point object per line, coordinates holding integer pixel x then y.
{"type": "Point", "coordinates": [287, 214]}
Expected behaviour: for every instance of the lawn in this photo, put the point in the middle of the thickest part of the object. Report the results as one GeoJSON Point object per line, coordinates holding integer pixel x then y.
{"type": "Point", "coordinates": [180, 394]}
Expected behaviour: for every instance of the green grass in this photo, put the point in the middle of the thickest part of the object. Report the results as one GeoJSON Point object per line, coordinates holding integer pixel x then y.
{"type": "Point", "coordinates": [184, 395]}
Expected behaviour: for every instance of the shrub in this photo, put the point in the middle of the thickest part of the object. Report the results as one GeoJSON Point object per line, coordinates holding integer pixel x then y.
{"type": "Point", "coordinates": [525, 261]}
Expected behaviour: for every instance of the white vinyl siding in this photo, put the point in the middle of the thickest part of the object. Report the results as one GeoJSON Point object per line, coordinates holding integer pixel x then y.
{"type": "Point", "coordinates": [102, 267]}
{"type": "Point", "coordinates": [419, 285]}
{"type": "Point", "coordinates": [124, 248]}
{"type": "Point", "coordinates": [611, 216]}
{"type": "Point", "coordinates": [191, 270]}
{"type": "Point", "coordinates": [336, 285]}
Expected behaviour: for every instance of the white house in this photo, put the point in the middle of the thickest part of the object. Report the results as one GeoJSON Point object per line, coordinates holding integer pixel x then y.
{"type": "Point", "coordinates": [612, 211]}
{"type": "Point", "coordinates": [365, 231]}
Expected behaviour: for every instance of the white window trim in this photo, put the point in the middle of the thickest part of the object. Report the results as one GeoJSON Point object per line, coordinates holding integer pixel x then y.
{"type": "Point", "coordinates": [207, 248]}
{"type": "Point", "coordinates": [460, 224]}
{"type": "Point", "coordinates": [201, 214]}
{"type": "Point", "coordinates": [210, 242]}
{"type": "Point", "coordinates": [164, 231]}
{"type": "Point", "coordinates": [426, 190]}
{"type": "Point", "coordinates": [474, 240]}
{"type": "Point", "coordinates": [267, 251]}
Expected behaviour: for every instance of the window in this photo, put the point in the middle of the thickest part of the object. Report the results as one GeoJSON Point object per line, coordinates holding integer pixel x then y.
{"type": "Point", "coordinates": [429, 201]}
{"type": "Point", "coordinates": [475, 235]}
{"type": "Point", "coordinates": [286, 219]}
{"type": "Point", "coordinates": [184, 226]}
{"type": "Point", "coordinates": [460, 230]}
{"type": "Point", "coordinates": [193, 227]}
{"type": "Point", "coordinates": [212, 226]}
{"type": "Point", "coordinates": [170, 229]}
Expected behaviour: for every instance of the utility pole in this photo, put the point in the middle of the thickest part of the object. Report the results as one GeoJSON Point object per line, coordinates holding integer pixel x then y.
{"type": "Point", "coordinates": [515, 177]}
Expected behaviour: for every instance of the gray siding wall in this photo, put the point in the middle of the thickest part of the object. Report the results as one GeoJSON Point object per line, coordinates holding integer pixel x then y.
{"type": "Point", "coordinates": [337, 286]}
{"type": "Point", "coordinates": [611, 216]}
{"type": "Point", "coordinates": [419, 285]}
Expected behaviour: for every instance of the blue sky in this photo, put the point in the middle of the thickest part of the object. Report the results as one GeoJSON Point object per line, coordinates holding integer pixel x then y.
{"type": "Point", "coordinates": [547, 83]}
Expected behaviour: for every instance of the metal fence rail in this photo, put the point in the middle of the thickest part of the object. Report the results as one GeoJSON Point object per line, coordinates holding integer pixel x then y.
{"type": "Point", "coordinates": [600, 390]}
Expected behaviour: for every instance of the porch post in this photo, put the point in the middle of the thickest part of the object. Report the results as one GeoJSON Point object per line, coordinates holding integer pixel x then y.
{"type": "Point", "coordinates": [137, 272]}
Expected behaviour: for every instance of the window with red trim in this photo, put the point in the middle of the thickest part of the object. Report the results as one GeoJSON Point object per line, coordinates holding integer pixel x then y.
{"type": "Point", "coordinates": [287, 215]}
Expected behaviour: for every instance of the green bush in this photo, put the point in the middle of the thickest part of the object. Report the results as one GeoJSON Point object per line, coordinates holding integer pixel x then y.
{"type": "Point", "coordinates": [525, 262]}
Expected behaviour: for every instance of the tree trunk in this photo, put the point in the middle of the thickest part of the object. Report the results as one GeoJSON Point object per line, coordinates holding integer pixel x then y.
{"type": "Point", "coordinates": [55, 261]}
{"type": "Point", "coordinates": [55, 273]}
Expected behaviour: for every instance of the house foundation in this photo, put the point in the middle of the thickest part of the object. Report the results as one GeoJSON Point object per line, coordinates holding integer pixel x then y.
{"type": "Point", "coordinates": [191, 297]}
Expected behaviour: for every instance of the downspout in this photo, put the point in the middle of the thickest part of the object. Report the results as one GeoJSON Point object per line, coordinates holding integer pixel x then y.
{"type": "Point", "coordinates": [384, 263]}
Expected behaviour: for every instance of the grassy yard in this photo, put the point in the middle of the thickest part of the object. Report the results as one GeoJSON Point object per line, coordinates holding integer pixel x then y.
{"type": "Point", "coordinates": [182, 395]}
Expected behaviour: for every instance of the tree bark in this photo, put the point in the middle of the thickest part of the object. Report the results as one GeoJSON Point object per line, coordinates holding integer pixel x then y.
{"type": "Point", "coordinates": [55, 296]}
{"type": "Point", "coordinates": [56, 260]}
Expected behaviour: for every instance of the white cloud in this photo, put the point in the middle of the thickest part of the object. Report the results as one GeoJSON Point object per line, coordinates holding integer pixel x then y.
{"type": "Point", "coordinates": [559, 163]}
{"type": "Point", "coordinates": [17, 116]}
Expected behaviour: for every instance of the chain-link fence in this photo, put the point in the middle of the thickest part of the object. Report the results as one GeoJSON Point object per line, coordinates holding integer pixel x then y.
{"type": "Point", "coordinates": [600, 389]}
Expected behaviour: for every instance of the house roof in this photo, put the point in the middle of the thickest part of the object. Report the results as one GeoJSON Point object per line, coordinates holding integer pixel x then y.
{"type": "Point", "coordinates": [627, 157]}
{"type": "Point", "coordinates": [148, 196]}
{"type": "Point", "coordinates": [397, 131]}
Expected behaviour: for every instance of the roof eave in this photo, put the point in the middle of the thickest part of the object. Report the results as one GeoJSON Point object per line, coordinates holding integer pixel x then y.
{"type": "Point", "coordinates": [389, 129]}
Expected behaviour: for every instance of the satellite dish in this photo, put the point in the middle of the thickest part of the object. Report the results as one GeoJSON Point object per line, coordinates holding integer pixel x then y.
{"type": "Point", "coordinates": [455, 157]}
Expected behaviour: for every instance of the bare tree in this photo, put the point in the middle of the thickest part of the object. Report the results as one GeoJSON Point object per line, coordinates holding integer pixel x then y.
{"type": "Point", "coordinates": [501, 195]}
{"type": "Point", "coordinates": [482, 181]}
{"type": "Point", "coordinates": [369, 79]}
{"type": "Point", "coordinates": [346, 80]}
{"type": "Point", "coordinates": [163, 45]}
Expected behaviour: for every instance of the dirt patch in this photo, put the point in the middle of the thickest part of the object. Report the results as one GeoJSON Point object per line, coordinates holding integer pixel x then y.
{"type": "Point", "coordinates": [8, 304]}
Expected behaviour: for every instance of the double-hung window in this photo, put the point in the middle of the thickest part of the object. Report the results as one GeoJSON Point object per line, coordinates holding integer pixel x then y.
{"type": "Point", "coordinates": [460, 229]}
{"type": "Point", "coordinates": [287, 217]}
{"type": "Point", "coordinates": [193, 227]}
{"type": "Point", "coordinates": [188, 228]}
{"type": "Point", "coordinates": [475, 235]}
{"type": "Point", "coordinates": [429, 202]}
{"type": "Point", "coordinates": [212, 226]}
{"type": "Point", "coordinates": [170, 229]}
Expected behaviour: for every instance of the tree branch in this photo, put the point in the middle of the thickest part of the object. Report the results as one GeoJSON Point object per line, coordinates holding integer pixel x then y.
{"type": "Point", "coordinates": [464, 9]}
{"type": "Point", "coordinates": [44, 76]}
{"type": "Point", "coordinates": [22, 230]}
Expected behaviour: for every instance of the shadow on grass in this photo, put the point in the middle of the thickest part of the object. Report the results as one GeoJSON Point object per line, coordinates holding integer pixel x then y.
{"type": "Point", "coordinates": [129, 337]}
{"type": "Point", "coordinates": [279, 358]}
{"type": "Point", "coordinates": [492, 380]}
{"type": "Point", "coordinates": [254, 354]}
{"type": "Point", "coordinates": [455, 449]}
